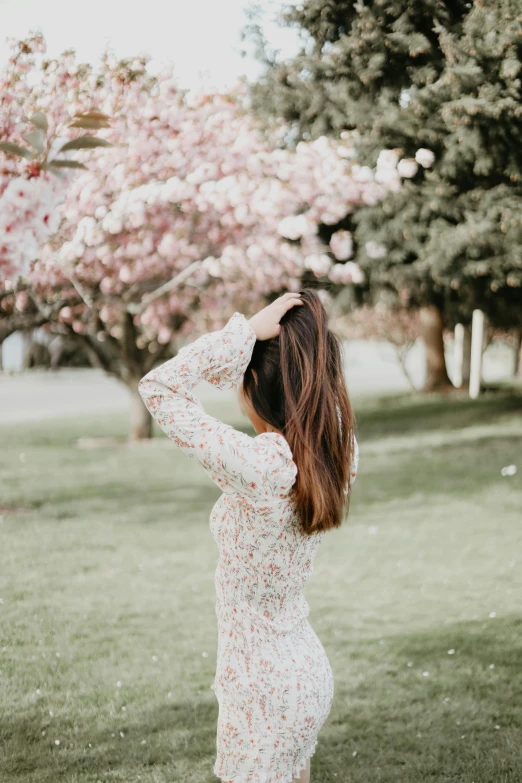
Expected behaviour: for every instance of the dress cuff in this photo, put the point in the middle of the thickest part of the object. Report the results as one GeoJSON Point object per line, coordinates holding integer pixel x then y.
{"type": "Point", "coordinates": [239, 323]}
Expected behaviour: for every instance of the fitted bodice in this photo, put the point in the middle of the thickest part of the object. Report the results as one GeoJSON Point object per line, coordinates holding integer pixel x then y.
{"type": "Point", "coordinates": [264, 562]}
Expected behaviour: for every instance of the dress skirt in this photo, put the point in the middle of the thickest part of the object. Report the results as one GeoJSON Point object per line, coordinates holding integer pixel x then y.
{"type": "Point", "coordinates": [274, 695]}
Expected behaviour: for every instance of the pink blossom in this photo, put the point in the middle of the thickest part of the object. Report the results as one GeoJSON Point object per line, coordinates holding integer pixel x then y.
{"type": "Point", "coordinates": [425, 157]}
{"type": "Point", "coordinates": [341, 244]}
{"type": "Point", "coordinates": [389, 177]}
{"type": "Point", "coordinates": [318, 263]}
{"type": "Point", "coordinates": [375, 250]}
{"type": "Point", "coordinates": [168, 245]}
{"type": "Point", "coordinates": [407, 168]}
{"type": "Point", "coordinates": [346, 273]}
{"type": "Point", "coordinates": [28, 215]}
{"type": "Point", "coordinates": [21, 301]}
{"type": "Point", "coordinates": [296, 226]}
{"type": "Point", "coordinates": [387, 159]}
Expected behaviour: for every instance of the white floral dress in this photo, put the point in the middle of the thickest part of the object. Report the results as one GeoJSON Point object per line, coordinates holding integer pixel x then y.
{"type": "Point", "coordinates": [273, 682]}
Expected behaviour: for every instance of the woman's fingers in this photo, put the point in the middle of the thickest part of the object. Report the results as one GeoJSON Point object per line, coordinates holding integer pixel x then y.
{"type": "Point", "coordinates": [266, 322]}
{"type": "Point", "coordinates": [289, 300]}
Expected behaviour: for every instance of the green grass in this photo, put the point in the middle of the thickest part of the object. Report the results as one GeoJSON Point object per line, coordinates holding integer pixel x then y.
{"type": "Point", "coordinates": [108, 637]}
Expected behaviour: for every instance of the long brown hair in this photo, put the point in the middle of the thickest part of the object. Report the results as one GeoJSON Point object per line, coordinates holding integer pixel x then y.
{"type": "Point", "coordinates": [296, 383]}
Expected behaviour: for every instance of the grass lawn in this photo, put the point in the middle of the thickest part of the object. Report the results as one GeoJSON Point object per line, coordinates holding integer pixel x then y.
{"type": "Point", "coordinates": [108, 637]}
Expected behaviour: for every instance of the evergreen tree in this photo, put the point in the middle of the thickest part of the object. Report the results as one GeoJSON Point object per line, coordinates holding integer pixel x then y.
{"type": "Point", "coordinates": [440, 82]}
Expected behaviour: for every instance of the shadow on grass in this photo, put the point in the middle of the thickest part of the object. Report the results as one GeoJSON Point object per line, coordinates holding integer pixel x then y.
{"type": "Point", "coordinates": [66, 432]}
{"type": "Point", "coordinates": [390, 723]}
{"type": "Point", "coordinates": [174, 737]}
{"type": "Point", "coordinates": [186, 502]}
{"type": "Point", "coordinates": [472, 467]}
{"type": "Point", "coordinates": [400, 415]}
{"type": "Point", "coordinates": [421, 714]}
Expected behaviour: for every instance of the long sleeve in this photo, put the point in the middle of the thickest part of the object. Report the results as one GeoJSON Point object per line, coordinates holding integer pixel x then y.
{"type": "Point", "coordinates": [257, 467]}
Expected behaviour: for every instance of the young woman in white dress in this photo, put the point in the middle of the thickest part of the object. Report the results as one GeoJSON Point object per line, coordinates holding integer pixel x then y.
{"type": "Point", "coordinates": [282, 491]}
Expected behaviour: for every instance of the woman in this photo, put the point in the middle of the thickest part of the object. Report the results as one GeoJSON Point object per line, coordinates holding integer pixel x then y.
{"type": "Point", "coordinates": [282, 490]}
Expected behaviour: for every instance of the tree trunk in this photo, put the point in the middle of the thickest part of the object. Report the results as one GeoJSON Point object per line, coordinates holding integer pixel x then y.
{"type": "Point", "coordinates": [437, 378]}
{"type": "Point", "coordinates": [517, 353]}
{"type": "Point", "coordinates": [141, 420]}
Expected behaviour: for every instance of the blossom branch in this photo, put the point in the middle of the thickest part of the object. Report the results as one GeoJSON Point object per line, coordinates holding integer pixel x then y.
{"type": "Point", "coordinates": [136, 308]}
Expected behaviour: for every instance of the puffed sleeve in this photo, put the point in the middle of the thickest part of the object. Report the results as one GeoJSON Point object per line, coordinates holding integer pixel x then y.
{"type": "Point", "coordinates": [256, 467]}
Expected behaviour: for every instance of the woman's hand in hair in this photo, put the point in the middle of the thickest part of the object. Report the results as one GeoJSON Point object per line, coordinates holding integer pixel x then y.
{"type": "Point", "coordinates": [265, 323]}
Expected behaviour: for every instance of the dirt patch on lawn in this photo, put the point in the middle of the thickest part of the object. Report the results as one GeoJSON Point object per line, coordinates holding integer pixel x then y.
{"type": "Point", "coordinates": [14, 509]}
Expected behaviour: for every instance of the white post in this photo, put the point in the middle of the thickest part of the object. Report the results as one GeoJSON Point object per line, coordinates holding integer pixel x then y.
{"type": "Point", "coordinates": [458, 356]}
{"type": "Point", "coordinates": [477, 347]}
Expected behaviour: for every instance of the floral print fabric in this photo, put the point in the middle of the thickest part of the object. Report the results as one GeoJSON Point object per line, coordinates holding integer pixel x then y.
{"type": "Point", "coordinates": [273, 681]}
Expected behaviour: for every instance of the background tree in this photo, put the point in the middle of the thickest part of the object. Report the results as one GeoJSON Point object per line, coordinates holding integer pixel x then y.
{"type": "Point", "coordinates": [433, 87]}
{"type": "Point", "coordinates": [397, 326]}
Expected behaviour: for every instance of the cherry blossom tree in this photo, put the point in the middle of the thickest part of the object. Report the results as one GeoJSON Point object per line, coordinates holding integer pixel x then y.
{"type": "Point", "coordinates": [190, 213]}
{"type": "Point", "coordinates": [37, 146]}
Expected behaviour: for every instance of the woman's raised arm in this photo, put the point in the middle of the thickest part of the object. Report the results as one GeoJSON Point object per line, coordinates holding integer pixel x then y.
{"type": "Point", "coordinates": [235, 461]}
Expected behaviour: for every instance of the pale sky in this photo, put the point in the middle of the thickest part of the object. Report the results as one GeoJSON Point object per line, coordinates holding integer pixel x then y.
{"type": "Point", "coordinates": [202, 37]}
